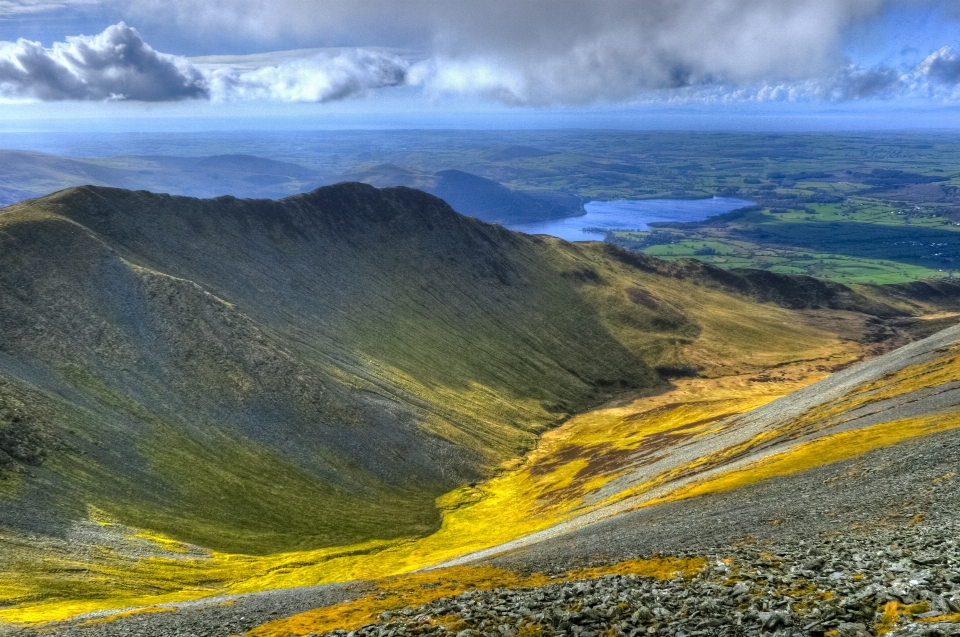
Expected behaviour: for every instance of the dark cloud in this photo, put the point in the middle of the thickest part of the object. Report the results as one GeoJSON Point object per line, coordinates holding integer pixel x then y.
{"type": "Point", "coordinates": [855, 84]}
{"type": "Point", "coordinates": [943, 66]}
{"type": "Point", "coordinates": [115, 65]}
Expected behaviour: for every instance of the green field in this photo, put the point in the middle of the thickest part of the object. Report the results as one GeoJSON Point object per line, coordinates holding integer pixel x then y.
{"type": "Point", "coordinates": [881, 207]}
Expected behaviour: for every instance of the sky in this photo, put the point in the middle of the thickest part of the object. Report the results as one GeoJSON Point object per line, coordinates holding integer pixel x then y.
{"type": "Point", "coordinates": [181, 65]}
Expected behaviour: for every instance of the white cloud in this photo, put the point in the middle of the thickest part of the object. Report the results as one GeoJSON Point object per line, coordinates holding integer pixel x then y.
{"type": "Point", "coordinates": [320, 77]}
{"type": "Point", "coordinates": [119, 65]}
{"type": "Point", "coordinates": [26, 7]}
{"type": "Point", "coordinates": [115, 65]}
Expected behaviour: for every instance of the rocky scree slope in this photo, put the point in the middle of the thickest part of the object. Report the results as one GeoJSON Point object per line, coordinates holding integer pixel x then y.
{"type": "Point", "coordinates": [909, 392]}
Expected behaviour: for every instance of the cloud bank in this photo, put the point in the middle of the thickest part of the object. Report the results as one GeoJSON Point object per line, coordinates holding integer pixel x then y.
{"type": "Point", "coordinates": [118, 65]}
{"type": "Point", "coordinates": [547, 52]}
{"type": "Point", "coordinates": [532, 53]}
{"type": "Point", "coordinates": [322, 77]}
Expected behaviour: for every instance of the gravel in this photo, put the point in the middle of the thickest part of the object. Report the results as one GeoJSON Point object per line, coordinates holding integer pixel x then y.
{"type": "Point", "coordinates": [215, 617]}
{"type": "Point", "coordinates": [840, 584]}
{"type": "Point", "coordinates": [805, 555]}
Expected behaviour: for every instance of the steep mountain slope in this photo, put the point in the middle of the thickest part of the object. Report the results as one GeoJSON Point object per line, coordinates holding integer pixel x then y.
{"type": "Point", "coordinates": [830, 526]}
{"type": "Point", "coordinates": [313, 373]}
{"type": "Point", "coordinates": [300, 330]}
{"type": "Point", "coordinates": [375, 344]}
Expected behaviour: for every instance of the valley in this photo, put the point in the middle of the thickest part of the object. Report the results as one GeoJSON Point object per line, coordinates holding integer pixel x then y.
{"type": "Point", "coordinates": [467, 318]}
{"type": "Point", "coordinates": [223, 397]}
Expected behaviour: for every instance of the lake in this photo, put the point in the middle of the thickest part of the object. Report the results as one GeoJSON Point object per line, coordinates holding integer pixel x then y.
{"type": "Point", "coordinates": [630, 214]}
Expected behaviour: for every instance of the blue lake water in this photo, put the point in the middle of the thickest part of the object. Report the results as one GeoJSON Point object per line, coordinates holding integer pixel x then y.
{"type": "Point", "coordinates": [630, 214]}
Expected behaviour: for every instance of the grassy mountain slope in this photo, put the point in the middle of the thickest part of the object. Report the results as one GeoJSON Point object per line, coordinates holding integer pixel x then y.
{"type": "Point", "coordinates": [261, 376]}
{"type": "Point", "coordinates": [374, 341]}
{"type": "Point", "coordinates": [290, 330]}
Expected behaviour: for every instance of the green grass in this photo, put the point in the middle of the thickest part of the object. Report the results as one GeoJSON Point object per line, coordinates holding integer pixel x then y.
{"type": "Point", "coordinates": [244, 392]}
{"type": "Point", "coordinates": [859, 241]}
{"type": "Point", "coordinates": [835, 267]}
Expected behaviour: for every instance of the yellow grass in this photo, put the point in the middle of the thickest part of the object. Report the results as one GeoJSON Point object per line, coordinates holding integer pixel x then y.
{"type": "Point", "coordinates": [825, 450]}
{"type": "Point", "coordinates": [553, 482]}
{"type": "Point", "coordinates": [540, 493]}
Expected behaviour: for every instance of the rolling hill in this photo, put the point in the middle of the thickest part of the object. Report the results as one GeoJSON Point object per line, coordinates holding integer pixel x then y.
{"type": "Point", "coordinates": [473, 195]}
{"type": "Point", "coordinates": [322, 378]}
{"type": "Point", "coordinates": [26, 174]}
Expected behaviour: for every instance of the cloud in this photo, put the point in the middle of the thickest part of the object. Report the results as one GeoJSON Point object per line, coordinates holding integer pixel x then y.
{"type": "Point", "coordinates": [26, 7]}
{"type": "Point", "coordinates": [853, 83]}
{"type": "Point", "coordinates": [538, 53]}
{"type": "Point", "coordinates": [321, 77]}
{"type": "Point", "coordinates": [549, 52]}
{"type": "Point", "coordinates": [942, 66]}
{"type": "Point", "coordinates": [115, 65]}
{"type": "Point", "coordinates": [119, 65]}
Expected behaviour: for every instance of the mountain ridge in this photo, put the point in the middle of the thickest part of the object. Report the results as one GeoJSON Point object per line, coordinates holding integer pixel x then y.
{"type": "Point", "coordinates": [156, 266]}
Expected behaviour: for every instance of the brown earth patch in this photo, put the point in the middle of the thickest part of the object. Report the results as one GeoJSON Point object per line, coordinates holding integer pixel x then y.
{"type": "Point", "coordinates": [642, 297]}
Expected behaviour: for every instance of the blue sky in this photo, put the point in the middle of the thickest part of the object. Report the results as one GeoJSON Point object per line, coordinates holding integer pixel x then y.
{"type": "Point", "coordinates": [105, 65]}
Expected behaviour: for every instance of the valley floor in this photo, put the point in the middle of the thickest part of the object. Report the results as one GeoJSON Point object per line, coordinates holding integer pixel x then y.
{"type": "Point", "coordinates": [562, 478]}
{"type": "Point", "coordinates": [862, 546]}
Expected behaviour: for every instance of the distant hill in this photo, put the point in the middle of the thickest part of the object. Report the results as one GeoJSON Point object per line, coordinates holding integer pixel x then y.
{"type": "Point", "coordinates": [25, 175]}
{"type": "Point", "coordinates": [517, 152]}
{"type": "Point", "coordinates": [473, 195]}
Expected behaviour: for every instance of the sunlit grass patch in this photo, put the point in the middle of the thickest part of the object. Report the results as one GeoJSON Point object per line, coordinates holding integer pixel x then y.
{"type": "Point", "coordinates": [534, 496]}
{"type": "Point", "coordinates": [819, 452]}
